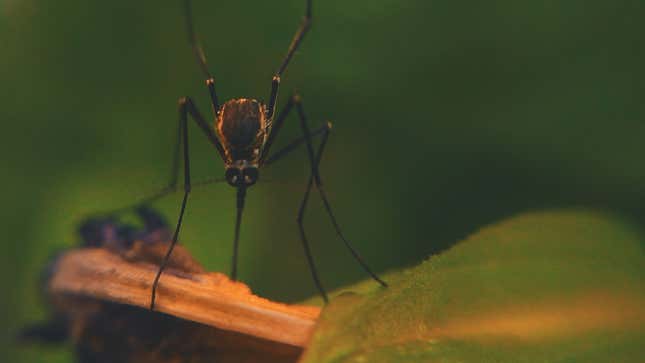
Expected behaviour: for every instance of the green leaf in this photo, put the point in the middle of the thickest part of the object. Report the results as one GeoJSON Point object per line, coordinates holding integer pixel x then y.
{"type": "Point", "coordinates": [565, 286]}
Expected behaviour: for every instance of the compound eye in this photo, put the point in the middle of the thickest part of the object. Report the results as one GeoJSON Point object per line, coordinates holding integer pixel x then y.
{"type": "Point", "coordinates": [233, 176]}
{"type": "Point", "coordinates": [250, 176]}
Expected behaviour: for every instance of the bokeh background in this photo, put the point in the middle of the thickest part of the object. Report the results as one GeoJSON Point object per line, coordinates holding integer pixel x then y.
{"type": "Point", "coordinates": [448, 115]}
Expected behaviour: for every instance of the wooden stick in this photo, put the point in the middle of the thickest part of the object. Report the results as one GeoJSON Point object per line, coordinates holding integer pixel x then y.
{"type": "Point", "coordinates": [207, 298]}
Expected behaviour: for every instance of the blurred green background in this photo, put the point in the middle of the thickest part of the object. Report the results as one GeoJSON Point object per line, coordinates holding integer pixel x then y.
{"type": "Point", "coordinates": [448, 115]}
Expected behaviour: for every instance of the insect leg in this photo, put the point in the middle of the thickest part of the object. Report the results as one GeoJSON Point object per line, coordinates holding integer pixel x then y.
{"type": "Point", "coordinates": [186, 107]}
{"type": "Point", "coordinates": [278, 155]}
{"type": "Point", "coordinates": [293, 47]}
{"type": "Point", "coordinates": [241, 196]}
{"type": "Point", "coordinates": [305, 242]}
{"type": "Point", "coordinates": [275, 129]}
{"type": "Point", "coordinates": [199, 55]}
{"type": "Point", "coordinates": [315, 175]}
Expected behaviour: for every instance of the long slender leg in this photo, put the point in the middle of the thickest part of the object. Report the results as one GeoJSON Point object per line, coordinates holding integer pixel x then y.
{"type": "Point", "coordinates": [315, 160]}
{"type": "Point", "coordinates": [265, 152]}
{"type": "Point", "coordinates": [186, 107]}
{"type": "Point", "coordinates": [293, 145]}
{"type": "Point", "coordinates": [199, 55]}
{"type": "Point", "coordinates": [241, 196]}
{"type": "Point", "coordinates": [315, 177]}
{"type": "Point", "coordinates": [171, 187]}
{"type": "Point", "coordinates": [305, 242]}
{"type": "Point", "coordinates": [295, 43]}
{"type": "Point", "coordinates": [201, 122]}
{"type": "Point", "coordinates": [275, 129]}
{"type": "Point", "coordinates": [174, 167]}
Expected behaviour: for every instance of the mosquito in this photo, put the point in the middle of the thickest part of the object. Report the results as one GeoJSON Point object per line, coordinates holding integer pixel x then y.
{"type": "Point", "coordinates": [243, 133]}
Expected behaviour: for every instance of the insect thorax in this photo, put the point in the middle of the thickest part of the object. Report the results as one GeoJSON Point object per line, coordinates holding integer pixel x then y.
{"type": "Point", "coordinates": [241, 127]}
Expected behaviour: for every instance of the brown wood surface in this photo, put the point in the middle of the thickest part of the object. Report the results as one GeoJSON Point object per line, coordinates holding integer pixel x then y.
{"type": "Point", "coordinates": [208, 298]}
